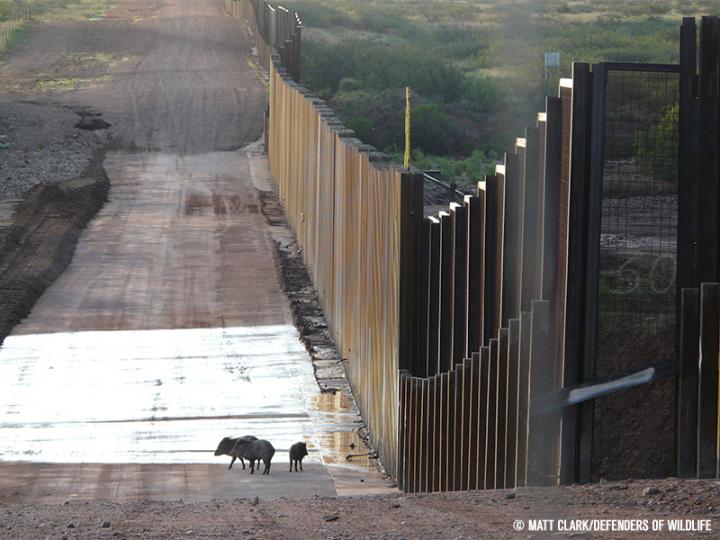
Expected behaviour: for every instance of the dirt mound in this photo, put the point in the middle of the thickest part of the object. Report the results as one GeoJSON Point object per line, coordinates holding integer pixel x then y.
{"type": "Point", "coordinates": [39, 244]}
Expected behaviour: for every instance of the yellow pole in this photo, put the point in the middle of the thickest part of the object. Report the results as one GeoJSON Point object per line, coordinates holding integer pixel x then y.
{"type": "Point", "coordinates": [406, 161]}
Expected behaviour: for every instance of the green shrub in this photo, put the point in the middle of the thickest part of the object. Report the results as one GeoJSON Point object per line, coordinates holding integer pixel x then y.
{"type": "Point", "coordinates": [377, 21]}
{"type": "Point", "coordinates": [482, 93]}
{"type": "Point", "coordinates": [432, 129]}
{"type": "Point", "coordinates": [363, 128]}
{"type": "Point", "coordinates": [613, 40]}
{"type": "Point", "coordinates": [377, 116]}
{"type": "Point", "coordinates": [318, 15]}
{"type": "Point", "coordinates": [323, 66]}
{"type": "Point", "coordinates": [460, 170]}
{"type": "Point", "coordinates": [349, 84]}
{"type": "Point", "coordinates": [373, 66]}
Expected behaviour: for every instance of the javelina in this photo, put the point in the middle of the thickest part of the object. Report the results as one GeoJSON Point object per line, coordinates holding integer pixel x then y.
{"type": "Point", "coordinates": [255, 450]}
{"type": "Point", "coordinates": [297, 452]}
{"type": "Point", "coordinates": [225, 448]}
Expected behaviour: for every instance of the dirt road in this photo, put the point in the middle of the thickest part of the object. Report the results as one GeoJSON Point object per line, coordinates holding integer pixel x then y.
{"type": "Point", "coordinates": [168, 75]}
{"type": "Point", "coordinates": [169, 329]}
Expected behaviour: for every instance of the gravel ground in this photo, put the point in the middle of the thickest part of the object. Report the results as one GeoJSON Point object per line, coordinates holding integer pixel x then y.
{"type": "Point", "coordinates": [40, 143]}
{"type": "Point", "coordinates": [490, 514]}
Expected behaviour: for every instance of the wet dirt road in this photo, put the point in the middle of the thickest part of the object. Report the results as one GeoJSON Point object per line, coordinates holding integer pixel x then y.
{"type": "Point", "coordinates": [169, 330]}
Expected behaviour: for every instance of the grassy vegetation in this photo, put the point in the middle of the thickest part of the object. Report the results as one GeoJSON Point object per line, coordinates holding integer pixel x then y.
{"type": "Point", "coordinates": [58, 9]}
{"type": "Point", "coordinates": [17, 37]}
{"type": "Point", "coordinates": [13, 12]}
{"type": "Point", "coordinates": [475, 67]}
{"type": "Point", "coordinates": [79, 70]}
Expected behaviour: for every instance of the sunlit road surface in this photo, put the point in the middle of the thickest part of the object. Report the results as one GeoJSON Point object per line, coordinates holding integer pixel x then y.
{"type": "Point", "coordinates": [156, 396]}
{"type": "Point", "coordinates": [167, 332]}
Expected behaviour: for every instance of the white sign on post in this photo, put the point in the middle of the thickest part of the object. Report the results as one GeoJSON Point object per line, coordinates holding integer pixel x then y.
{"type": "Point", "coordinates": [552, 61]}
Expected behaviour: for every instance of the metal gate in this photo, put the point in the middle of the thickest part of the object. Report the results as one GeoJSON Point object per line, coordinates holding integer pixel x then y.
{"type": "Point", "coordinates": [632, 260]}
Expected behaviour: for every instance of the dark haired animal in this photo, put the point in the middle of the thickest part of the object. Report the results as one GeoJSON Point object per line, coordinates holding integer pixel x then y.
{"type": "Point", "coordinates": [225, 448]}
{"type": "Point", "coordinates": [297, 452]}
{"type": "Point", "coordinates": [255, 450]}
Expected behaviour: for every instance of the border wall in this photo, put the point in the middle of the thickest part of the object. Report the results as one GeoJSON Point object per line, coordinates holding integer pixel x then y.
{"type": "Point", "coordinates": [356, 219]}
{"type": "Point", "coordinates": [470, 338]}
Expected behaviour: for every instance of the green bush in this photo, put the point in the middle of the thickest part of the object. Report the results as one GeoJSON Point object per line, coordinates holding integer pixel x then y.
{"type": "Point", "coordinates": [323, 66]}
{"type": "Point", "coordinates": [378, 67]}
{"type": "Point", "coordinates": [9, 8]}
{"type": "Point", "coordinates": [433, 130]}
{"type": "Point", "coordinates": [482, 93]}
{"type": "Point", "coordinates": [614, 40]}
{"type": "Point", "coordinates": [318, 15]}
{"type": "Point", "coordinates": [376, 21]}
{"type": "Point", "coordinates": [363, 128]}
{"type": "Point", "coordinates": [377, 116]}
{"type": "Point", "coordinates": [462, 171]}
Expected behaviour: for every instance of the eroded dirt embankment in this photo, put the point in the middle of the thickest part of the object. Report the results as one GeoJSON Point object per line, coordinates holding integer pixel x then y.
{"type": "Point", "coordinates": [39, 244]}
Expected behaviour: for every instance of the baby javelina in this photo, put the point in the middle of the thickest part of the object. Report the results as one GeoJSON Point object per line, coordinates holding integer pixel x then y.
{"type": "Point", "coordinates": [225, 448]}
{"type": "Point", "coordinates": [297, 452]}
{"type": "Point", "coordinates": [254, 450]}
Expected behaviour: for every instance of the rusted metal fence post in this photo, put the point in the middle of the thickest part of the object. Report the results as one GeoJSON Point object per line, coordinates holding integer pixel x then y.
{"type": "Point", "coordinates": [483, 418]}
{"type": "Point", "coordinates": [494, 187]}
{"type": "Point", "coordinates": [523, 397]}
{"type": "Point", "coordinates": [687, 384]}
{"type": "Point", "coordinates": [425, 465]}
{"type": "Point", "coordinates": [510, 250]}
{"type": "Point", "coordinates": [501, 414]}
{"type": "Point", "coordinates": [513, 379]}
{"type": "Point", "coordinates": [468, 434]}
{"type": "Point", "coordinates": [446, 292]}
{"type": "Point", "coordinates": [423, 301]}
{"type": "Point", "coordinates": [707, 447]}
{"type": "Point", "coordinates": [475, 211]}
{"type": "Point", "coordinates": [543, 430]}
{"type": "Point", "coordinates": [473, 423]}
{"type": "Point", "coordinates": [450, 431]}
{"type": "Point", "coordinates": [532, 230]}
{"type": "Point", "coordinates": [492, 417]}
{"type": "Point", "coordinates": [460, 286]}
{"type": "Point", "coordinates": [457, 375]}
{"type": "Point", "coordinates": [411, 216]}
{"type": "Point", "coordinates": [437, 433]}
{"type": "Point", "coordinates": [434, 296]}
{"type": "Point", "coordinates": [403, 460]}
{"type": "Point", "coordinates": [552, 139]}
{"type": "Point", "coordinates": [419, 419]}
{"type": "Point", "coordinates": [409, 449]}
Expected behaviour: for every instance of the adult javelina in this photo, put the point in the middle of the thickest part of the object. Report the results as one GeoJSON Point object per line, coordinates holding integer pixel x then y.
{"type": "Point", "coordinates": [252, 450]}
{"type": "Point", "coordinates": [297, 452]}
{"type": "Point", "coordinates": [225, 448]}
